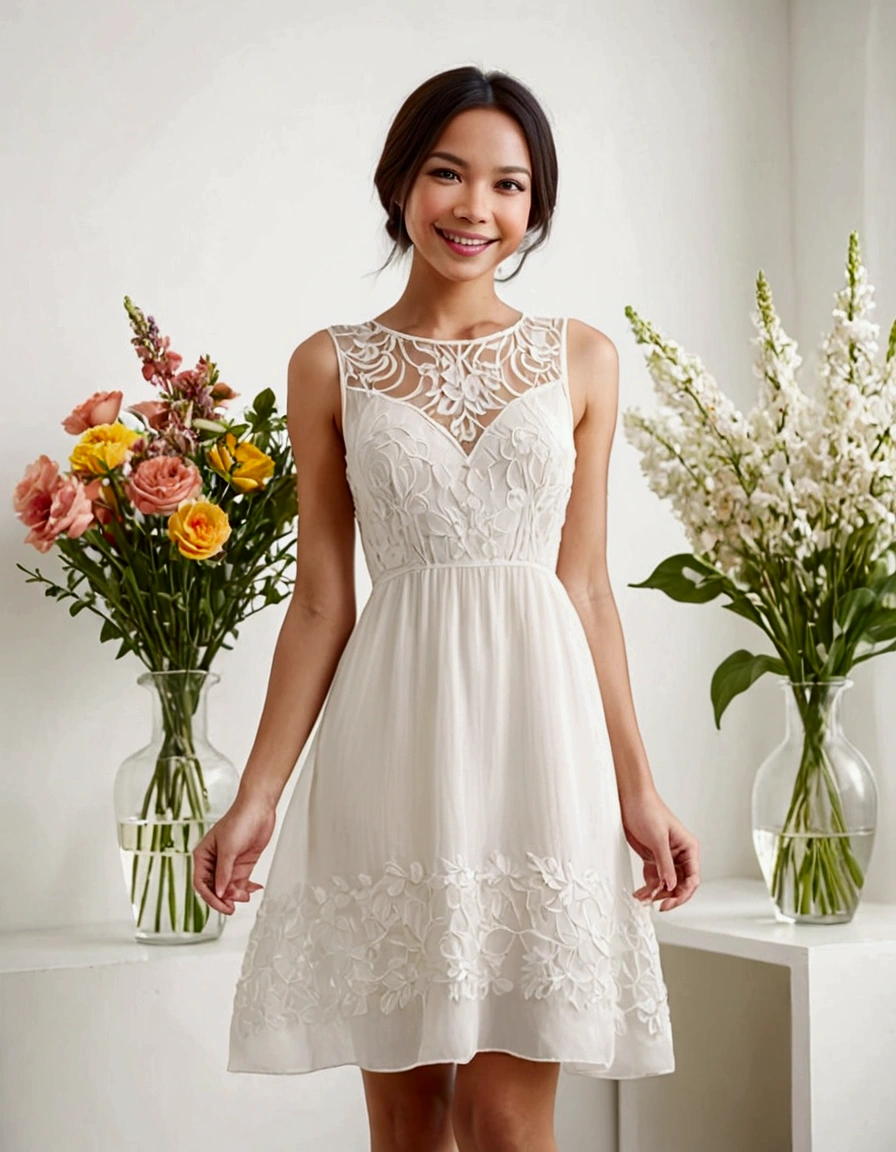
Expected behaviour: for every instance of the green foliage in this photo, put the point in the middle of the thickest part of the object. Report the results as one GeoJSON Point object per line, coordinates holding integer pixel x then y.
{"type": "Point", "coordinates": [173, 612]}
{"type": "Point", "coordinates": [819, 634]}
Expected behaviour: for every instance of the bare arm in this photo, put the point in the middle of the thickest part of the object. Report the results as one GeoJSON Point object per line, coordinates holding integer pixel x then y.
{"type": "Point", "coordinates": [582, 563]}
{"type": "Point", "coordinates": [670, 853]}
{"type": "Point", "coordinates": [322, 609]}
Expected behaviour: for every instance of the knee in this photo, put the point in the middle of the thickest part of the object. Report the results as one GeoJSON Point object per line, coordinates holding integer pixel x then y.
{"type": "Point", "coordinates": [420, 1124]}
{"type": "Point", "coordinates": [497, 1122]}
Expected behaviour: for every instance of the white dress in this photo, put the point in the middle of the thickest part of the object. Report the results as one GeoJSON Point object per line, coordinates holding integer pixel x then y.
{"type": "Point", "coordinates": [451, 874]}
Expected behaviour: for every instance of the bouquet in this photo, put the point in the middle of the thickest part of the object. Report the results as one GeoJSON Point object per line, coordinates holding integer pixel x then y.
{"type": "Point", "coordinates": [173, 527]}
{"type": "Point", "coordinates": [791, 515]}
{"type": "Point", "coordinates": [177, 529]}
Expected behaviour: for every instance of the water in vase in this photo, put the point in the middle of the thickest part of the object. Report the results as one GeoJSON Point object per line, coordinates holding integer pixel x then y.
{"type": "Point", "coordinates": [157, 860]}
{"type": "Point", "coordinates": [814, 886]}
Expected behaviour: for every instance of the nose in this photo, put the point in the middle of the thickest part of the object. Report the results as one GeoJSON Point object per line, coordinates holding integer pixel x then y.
{"type": "Point", "coordinates": [472, 205]}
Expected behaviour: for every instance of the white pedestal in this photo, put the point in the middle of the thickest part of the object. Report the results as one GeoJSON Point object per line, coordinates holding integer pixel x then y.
{"type": "Point", "coordinates": [842, 1027]}
{"type": "Point", "coordinates": [107, 1045]}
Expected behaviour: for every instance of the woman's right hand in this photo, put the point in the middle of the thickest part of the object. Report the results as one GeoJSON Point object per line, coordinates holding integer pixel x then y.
{"type": "Point", "coordinates": [224, 858]}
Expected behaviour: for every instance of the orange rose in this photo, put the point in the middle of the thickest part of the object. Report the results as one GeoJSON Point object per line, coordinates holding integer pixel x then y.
{"type": "Point", "coordinates": [199, 529]}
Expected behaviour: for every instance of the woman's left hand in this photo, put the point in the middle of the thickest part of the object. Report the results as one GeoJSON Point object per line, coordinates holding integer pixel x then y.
{"type": "Point", "coordinates": [670, 853]}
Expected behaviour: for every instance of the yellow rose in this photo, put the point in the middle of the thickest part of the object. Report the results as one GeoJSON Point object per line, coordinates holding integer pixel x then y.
{"type": "Point", "coordinates": [244, 465]}
{"type": "Point", "coordinates": [199, 529]}
{"type": "Point", "coordinates": [102, 448]}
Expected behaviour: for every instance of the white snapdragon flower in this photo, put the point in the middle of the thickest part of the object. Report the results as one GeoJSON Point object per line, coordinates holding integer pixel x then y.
{"type": "Point", "coordinates": [798, 473]}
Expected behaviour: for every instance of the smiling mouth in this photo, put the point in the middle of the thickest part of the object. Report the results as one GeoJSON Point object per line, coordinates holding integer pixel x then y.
{"type": "Point", "coordinates": [471, 245]}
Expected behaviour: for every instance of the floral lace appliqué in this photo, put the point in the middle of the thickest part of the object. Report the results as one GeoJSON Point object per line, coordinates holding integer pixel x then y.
{"type": "Point", "coordinates": [433, 480]}
{"type": "Point", "coordinates": [322, 953]}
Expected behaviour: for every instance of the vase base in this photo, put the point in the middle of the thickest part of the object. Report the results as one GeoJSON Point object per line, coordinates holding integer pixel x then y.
{"type": "Point", "coordinates": [178, 937]}
{"type": "Point", "coordinates": [834, 918]}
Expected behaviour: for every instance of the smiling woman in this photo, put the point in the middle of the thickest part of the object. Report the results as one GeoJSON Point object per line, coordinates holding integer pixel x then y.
{"type": "Point", "coordinates": [509, 136]}
{"type": "Point", "coordinates": [452, 885]}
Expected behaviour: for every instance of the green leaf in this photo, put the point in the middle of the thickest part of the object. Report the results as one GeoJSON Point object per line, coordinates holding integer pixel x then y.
{"type": "Point", "coordinates": [854, 606]}
{"type": "Point", "coordinates": [882, 627]}
{"type": "Point", "coordinates": [670, 576]}
{"type": "Point", "coordinates": [874, 652]}
{"type": "Point", "coordinates": [742, 606]}
{"type": "Point", "coordinates": [78, 606]}
{"type": "Point", "coordinates": [885, 586]}
{"type": "Point", "coordinates": [735, 675]}
{"type": "Point", "coordinates": [109, 632]}
{"type": "Point", "coordinates": [264, 403]}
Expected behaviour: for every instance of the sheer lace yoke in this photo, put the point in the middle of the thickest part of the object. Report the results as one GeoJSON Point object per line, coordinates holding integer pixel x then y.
{"type": "Point", "coordinates": [462, 386]}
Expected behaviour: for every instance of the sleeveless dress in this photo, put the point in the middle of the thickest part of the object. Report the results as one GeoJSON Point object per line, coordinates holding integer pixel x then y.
{"type": "Point", "coordinates": [452, 874]}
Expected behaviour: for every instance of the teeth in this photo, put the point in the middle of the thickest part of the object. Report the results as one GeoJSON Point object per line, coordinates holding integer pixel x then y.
{"type": "Point", "coordinates": [463, 240]}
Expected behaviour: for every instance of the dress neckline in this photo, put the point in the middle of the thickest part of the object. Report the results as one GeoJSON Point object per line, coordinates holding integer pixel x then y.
{"type": "Point", "coordinates": [434, 340]}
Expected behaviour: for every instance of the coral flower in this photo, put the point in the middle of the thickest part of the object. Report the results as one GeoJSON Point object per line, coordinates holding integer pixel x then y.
{"type": "Point", "coordinates": [162, 483]}
{"type": "Point", "coordinates": [100, 408]}
{"type": "Point", "coordinates": [50, 504]}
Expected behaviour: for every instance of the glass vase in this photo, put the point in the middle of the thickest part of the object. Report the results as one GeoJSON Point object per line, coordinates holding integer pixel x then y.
{"type": "Point", "coordinates": [167, 796]}
{"type": "Point", "coordinates": [814, 808]}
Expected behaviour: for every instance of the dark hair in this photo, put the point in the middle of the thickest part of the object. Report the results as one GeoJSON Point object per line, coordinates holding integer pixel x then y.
{"type": "Point", "coordinates": [421, 120]}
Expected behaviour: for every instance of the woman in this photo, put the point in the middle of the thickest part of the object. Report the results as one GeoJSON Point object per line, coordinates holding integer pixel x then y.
{"type": "Point", "coordinates": [449, 905]}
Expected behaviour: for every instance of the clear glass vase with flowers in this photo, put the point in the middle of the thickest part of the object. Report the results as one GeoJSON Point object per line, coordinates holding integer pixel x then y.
{"type": "Point", "coordinates": [791, 514]}
{"type": "Point", "coordinates": [172, 528]}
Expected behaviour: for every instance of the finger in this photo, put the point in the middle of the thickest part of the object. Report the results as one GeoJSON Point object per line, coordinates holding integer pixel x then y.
{"type": "Point", "coordinates": [203, 868]}
{"type": "Point", "coordinates": [688, 882]}
{"type": "Point", "coordinates": [681, 896]}
{"type": "Point", "coordinates": [242, 891]}
{"type": "Point", "coordinates": [223, 871]}
{"type": "Point", "coordinates": [668, 875]}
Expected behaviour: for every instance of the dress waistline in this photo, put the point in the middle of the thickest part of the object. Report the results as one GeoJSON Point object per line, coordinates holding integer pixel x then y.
{"type": "Point", "coordinates": [495, 563]}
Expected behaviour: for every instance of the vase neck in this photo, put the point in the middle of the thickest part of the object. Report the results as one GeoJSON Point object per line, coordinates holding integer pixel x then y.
{"type": "Point", "coordinates": [179, 707]}
{"type": "Point", "coordinates": [818, 703]}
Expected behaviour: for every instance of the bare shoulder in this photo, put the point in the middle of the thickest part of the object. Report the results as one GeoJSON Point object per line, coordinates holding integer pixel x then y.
{"type": "Point", "coordinates": [313, 377]}
{"type": "Point", "coordinates": [593, 365]}
{"type": "Point", "coordinates": [325, 559]}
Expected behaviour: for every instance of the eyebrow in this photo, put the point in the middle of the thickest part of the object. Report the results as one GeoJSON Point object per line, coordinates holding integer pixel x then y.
{"type": "Point", "coordinates": [463, 164]}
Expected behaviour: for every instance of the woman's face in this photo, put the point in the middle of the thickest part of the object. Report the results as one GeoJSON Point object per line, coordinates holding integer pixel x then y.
{"type": "Point", "coordinates": [466, 192]}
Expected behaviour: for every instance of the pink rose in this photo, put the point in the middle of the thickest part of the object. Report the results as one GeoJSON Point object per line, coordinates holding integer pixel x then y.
{"type": "Point", "coordinates": [71, 511]}
{"type": "Point", "coordinates": [100, 408]}
{"type": "Point", "coordinates": [154, 412]}
{"type": "Point", "coordinates": [50, 511]}
{"type": "Point", "coordinates": [162, 483]}
{"type": "Point", "coordinates": [33, 494]}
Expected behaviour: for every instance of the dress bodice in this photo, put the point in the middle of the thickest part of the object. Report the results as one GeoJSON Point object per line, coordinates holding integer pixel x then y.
{"type": "Point", "coordinates": [457, 450]}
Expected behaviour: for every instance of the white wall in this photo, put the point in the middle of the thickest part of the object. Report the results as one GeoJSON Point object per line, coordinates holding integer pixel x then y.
{"type": "Point", "coordinates": [844, 177]}
{"type": "Point", "coordinates": [214, 161]}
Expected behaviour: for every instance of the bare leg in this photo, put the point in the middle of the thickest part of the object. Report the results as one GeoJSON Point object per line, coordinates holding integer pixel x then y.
{"type": "Point", "coordinates": [503, 1103]}
{"type": "Point", "coordinates": [410, 1111]}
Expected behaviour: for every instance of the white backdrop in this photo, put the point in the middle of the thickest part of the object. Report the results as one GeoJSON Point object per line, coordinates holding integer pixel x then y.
{"type": "Point", "coordinates": [214, 161]}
